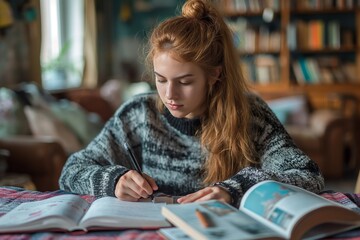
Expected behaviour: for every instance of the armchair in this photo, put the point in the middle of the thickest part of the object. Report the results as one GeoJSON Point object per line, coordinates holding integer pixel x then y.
{"type": "Point", "coordinates": [357, 185]}
{"type": "Point", "coordinates": [42, 158]}
{"type": "Point", "coordinates": [319, 133]}
{"type": "Point", "coordinates": [322, 140]}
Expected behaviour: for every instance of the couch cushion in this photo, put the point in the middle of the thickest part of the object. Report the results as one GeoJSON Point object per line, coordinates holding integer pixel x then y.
{"type": "Point", "coordinates": [291, 109]}
{"type": "Point", "coordinates": [12, 117]}
{"type": "Point", "coordinates": [44, 123]}
{"type": "Point", "coordinates": [83, 124]}
{"type": "Point", "coordinates": [304, 137]}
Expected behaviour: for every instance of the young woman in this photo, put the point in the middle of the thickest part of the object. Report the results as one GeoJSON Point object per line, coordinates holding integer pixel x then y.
{"type": "Point", "coordinates": [203, 135]}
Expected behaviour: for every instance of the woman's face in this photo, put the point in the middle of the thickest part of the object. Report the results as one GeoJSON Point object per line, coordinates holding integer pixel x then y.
{"type": "Point", "coordinates": [182, 86]}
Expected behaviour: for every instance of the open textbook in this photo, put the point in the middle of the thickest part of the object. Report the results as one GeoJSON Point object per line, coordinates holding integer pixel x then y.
{"type": "Point", "coordinates": [70, 213]}
{"type": "Point", "coordinates": [268, 210]}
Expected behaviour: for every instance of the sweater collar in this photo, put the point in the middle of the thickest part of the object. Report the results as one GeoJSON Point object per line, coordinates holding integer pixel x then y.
{"type": "Point", "coordinates": [184, 125]}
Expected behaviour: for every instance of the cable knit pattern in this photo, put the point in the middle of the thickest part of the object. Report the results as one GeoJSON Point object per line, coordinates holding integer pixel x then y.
{"type": "Point", "coordinates": [170, 152]}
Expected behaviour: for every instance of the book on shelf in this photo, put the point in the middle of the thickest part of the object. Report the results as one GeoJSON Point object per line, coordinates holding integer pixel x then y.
{"type": "Point", "coordinates": [268, 210]}
{"type": "Point", "coordinates": [350, 72]}
{"type": "Point", "coordinates": [334, 34]}
{"type": "Point", "coordinates": [305, 70]}
{"type": "Point", "coordinates": [243, 6]}
{"type": "Point", "coordinates": [323, 4]}
{"type": "Point", "coordinates": [266, 69]}
{"type": "Point", "coordinates": [317, 35]}
{"type": "Point", "coordinates": [298, 73]}
{"type": "Point", "coordinates": [314, 70]}
{"type": "Point", "coordinates": [70, 212]}
{"type": "Point", "coordinates": [302, 34]}
{"type": "Point", "coordinates": [291, 36]}
{"type": "Point", "coordinates": [252, 38]}
{"type": "Point", "coordinates": [323, 70]}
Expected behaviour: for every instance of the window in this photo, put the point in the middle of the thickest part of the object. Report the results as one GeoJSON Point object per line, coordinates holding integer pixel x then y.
{"type": "Point", "coordinates": [62, 54]}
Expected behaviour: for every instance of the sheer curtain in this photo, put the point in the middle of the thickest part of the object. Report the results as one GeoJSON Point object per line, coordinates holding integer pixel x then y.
{"type": "Point", "coordinates": [63, 45]}
{"type": "Point", "coordinates": [90, 76]}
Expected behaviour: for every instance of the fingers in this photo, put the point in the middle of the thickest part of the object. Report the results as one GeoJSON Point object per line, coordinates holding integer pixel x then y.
{"type": "Point", "coordinates": [142, 186]}
{"type": "Point", "coordinates": [129, 198]}
{"type": "Point", "coordinates": [195, 196]}
{"type": "Point", "coordinates": [124, 188]}
{"type": "Point", "coordinates": [151, 182]}
{"type": "Point", "coordinates": [132, 186]}
{"type": "Point", "coordinates": [208, 193]}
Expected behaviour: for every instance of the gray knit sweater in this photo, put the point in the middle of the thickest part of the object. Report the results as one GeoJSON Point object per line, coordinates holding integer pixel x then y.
{"type": "Point", "coordinates": [170, 153]}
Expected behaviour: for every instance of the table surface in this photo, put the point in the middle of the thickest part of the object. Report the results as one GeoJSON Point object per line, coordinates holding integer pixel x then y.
{"type": "Point", "coordinates": [11, 197]}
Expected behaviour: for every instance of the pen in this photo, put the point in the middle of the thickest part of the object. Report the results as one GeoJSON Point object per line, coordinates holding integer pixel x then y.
{"type": "Point", "coordinates": [203, 218]}
{"type": "Point", "coordinates": [134, 162]}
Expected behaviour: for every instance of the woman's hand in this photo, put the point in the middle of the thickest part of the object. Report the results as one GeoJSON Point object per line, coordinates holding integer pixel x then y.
{"type": "Point", "coordinates": [132, 186]}
{"type": "Point", "coordinates": [207, 193]}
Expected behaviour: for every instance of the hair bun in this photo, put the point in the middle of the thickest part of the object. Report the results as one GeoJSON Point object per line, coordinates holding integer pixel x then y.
{"type": "Point", "coordinates": [195, 9]}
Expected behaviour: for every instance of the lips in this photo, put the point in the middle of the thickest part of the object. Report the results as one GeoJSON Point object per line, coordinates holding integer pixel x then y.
{"type": "Point", "coordinates": [173, 106]}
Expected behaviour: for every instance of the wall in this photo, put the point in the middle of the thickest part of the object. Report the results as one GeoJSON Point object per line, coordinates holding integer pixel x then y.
{"type": "Point", "coordinates": [123, 28]}
{"type": "Point", "coordinates": [20, 44]}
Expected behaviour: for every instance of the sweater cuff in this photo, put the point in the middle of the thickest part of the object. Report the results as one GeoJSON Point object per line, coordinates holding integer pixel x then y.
{"type": "Point", "coordinates": [236, 194]}
{"type": "Point", "coordinates": [113, 179]}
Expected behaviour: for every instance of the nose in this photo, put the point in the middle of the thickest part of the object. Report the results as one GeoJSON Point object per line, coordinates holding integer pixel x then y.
{"type": "Point", "coordinates": [170, 91]}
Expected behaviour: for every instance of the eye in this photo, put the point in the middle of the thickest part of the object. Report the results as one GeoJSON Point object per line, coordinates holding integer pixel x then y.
{"type": "Point", "coordinates": [185, 82]}
{"type": "Point", "coordinates": [160, 80]}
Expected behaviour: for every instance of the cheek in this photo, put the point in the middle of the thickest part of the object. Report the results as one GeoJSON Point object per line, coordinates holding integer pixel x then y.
{"type": "Point", "coordinates": [194, 97]}
{"type": "Point", "coordinates": [160, 89]}
{"type": "Point", "coordinates": [198, 93]}
{"type": "Point", "coordinates": [199, 98]}
{"type": "Point", "coordinates": [193, 94]}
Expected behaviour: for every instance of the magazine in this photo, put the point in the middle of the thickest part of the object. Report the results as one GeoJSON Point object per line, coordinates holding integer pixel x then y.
{"type": "Point", "coordinates": [269, 209]}
{"type": "Point", "coordinates": [70, 212]}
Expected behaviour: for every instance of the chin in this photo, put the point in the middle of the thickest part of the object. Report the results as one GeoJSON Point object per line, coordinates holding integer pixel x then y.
{"type": "Point", "coordinates": [177, 114]}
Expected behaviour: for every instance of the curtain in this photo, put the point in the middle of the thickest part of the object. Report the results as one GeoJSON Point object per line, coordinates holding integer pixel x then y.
{"type": "Point", "coordinates": [35, 42]}
{"type": "Point", "coordinates": [20, 40]}
{"type": "Point", "coordinates": [90, 76]}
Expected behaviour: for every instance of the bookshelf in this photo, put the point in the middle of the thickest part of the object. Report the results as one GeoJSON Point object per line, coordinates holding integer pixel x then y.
{"type": "Point", "coordinates": [310, 46]}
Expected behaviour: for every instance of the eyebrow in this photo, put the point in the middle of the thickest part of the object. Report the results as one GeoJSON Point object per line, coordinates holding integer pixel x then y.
{"type": "Point", "coordinates": [176, 78]}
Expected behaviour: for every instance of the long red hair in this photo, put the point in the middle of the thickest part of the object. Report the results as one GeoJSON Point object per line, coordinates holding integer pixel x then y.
{"type": "Point", "coordinates": [201, 36]}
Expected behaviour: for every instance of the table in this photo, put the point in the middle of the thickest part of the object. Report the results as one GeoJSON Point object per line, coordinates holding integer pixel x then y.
{"type": "Point", "coordinates": [11, 197]}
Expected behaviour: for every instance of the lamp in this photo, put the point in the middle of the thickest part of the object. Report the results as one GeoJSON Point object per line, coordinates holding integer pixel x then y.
{"type": "Point", "coordinates": [6, 18]}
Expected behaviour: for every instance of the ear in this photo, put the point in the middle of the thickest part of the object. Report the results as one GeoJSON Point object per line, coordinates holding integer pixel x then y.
{"type": "Point", "coordinates": [215, 76]}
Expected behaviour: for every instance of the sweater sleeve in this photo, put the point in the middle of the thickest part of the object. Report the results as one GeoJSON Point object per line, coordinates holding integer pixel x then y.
{"type": "Point", "coordinates": [96, 169]}
{"type": "Point", "coordinates": [280, 159]}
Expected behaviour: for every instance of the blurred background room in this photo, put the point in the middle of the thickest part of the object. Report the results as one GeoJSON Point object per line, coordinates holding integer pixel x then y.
{"type": "Point", "coordinates": [67, 65]}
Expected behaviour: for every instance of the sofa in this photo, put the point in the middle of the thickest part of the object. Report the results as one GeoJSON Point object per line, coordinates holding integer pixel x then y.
{"type": "Point", "coordinates": [90, 99]}
{"type": "Point", "coordinates": [41, 158]}
{"type": "Point", "coordinates": [41, 129]}
{"type": "Point", "coordinates": [40, 139]}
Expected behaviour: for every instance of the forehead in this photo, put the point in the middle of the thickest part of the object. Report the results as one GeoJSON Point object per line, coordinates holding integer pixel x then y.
{"type": "Point", "coordinates": [167, 56]}
{"type": "Point", "coordinates": [167, 63]}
